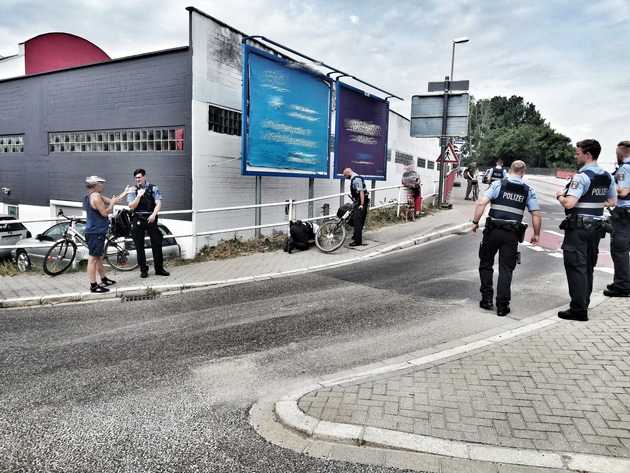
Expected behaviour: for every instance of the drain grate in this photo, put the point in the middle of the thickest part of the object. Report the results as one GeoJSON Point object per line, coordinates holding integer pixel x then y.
{"type": "Point", "coordinates": [139, 297]}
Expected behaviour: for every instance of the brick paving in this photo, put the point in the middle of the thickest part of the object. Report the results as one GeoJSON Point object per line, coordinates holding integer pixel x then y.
{"type": "Point", "coordinates": [37, 284]}
{"type": "Point", "coordinates": [564, 388]}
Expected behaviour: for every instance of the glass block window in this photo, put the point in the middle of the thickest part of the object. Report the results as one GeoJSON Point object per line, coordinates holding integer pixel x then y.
{"type": "Point", "coordinates": [430, 164]}
{"type": "Point", "coordinates": [135, 140]}
{"type": "Point", "coordinates": [404, 158]}
{"type": "Point", "coordinates": [222, 120]}
{"type": "Point", "coordinates": [11, 143]}
{"type": "Point", "coordinates": [422, 163]}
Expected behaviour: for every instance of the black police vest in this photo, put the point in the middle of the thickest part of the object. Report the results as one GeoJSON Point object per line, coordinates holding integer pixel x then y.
{"type": "Point", "coordinates": [624, 169]}
{"type": "Point", "coordinates": [356, 193]}
{"type": "Point", "coordinates": [511, 201]}
{"type": "Point", "coordinates": [593, 201]}
{"type": "Point", "coordinates": [497, 174]}
{"type": "Point", "coordinates": [147, 201]}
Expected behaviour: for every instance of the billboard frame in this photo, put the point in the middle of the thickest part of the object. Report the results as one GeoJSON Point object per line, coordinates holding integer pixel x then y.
{"type": "Point", "coordinates": [247, 50]}
{"type": "Point", "coordinates": [338, 102]}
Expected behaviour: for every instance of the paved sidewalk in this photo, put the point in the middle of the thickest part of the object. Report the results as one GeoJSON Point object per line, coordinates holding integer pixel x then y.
{"type": "Point", "coordinates": [34, 286]}
{"type": "Point", "coordinates": [564, 388]}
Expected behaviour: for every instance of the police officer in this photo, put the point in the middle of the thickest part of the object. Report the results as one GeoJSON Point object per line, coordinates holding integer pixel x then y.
{"type": "Point", "coordinates": [146, 201]}
{"type": "Point", "coordinates": [508, 199]}
{"type": "Point", "coordinates": [497, 173]}
{"type": "Point", "coordinates": [620, 220]}
{"type": "Point", "coordinates": [359, 193]}
{"type": "Point", "coordinates": [584, 200]}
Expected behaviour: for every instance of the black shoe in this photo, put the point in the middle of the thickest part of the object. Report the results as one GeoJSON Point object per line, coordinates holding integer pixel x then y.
{"type": "Point", "coordinates": [503, 310]}
{"type": "Point", "coordinates": [98, 288]}
{"type": "Point", "coordinates": [354, 243]}
{"type": "Point", "coordinates": [485, 304]}
{"type": "Point", "coordinates": [579, 315]}
{"type": "Point", "coordinates": [611, 287]}
{"type": "Point", "coordinates": [144, 274]}
{"type": "Point", "coordinates": [614, 292]}
{"type": "Point", "coordinates": [107, 282]}
{"type": "Point", "coordinates": [162, 272]}
{"type": "Point", "coordinates": [467, 198]}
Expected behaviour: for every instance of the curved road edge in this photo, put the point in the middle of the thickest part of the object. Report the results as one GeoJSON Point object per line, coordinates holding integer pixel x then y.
{"type": "Point", "coordinates": [283, 423]}
{"type": "Point", "coordinates": [173, 289]}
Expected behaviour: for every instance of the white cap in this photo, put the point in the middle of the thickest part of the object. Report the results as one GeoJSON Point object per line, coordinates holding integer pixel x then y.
{"type": "Point", "coordinates": [94, 180]}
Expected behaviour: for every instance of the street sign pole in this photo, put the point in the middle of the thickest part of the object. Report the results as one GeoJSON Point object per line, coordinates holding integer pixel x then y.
{"type": "Point", "coordinates": [443, 142]}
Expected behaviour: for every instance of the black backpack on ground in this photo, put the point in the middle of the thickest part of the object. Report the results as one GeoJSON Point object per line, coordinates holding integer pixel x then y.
{"type": "Point", "coordinates": [121, 223]}
{"type": "Point", "coordinates": [301, 236]}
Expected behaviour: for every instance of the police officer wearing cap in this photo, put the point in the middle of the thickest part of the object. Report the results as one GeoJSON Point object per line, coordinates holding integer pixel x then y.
{"type": "Point", "coordinates": [620, 221]}
{"type": "Point", "coordinates": [584, 199]}
{"type": "Point", "coordinates": [359, 193]}
{"type": "Point", "coordinates": [497, 173]}
{"type": "Point", "coordinates": [508, 199]}
{"type": "Point", "coordinates": [146, 201]}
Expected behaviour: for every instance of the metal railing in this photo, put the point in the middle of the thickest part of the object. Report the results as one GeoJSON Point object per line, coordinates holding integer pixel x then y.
{"type": "Point", "coordinates": [292, 205]}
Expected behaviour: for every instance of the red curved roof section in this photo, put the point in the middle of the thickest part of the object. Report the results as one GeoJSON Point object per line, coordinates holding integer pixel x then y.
{"type": "Point", "coordinates": [53, 51]}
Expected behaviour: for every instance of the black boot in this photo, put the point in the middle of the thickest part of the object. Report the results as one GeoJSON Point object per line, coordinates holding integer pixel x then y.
{"type": "Point", "coordinates": [486, 304]}
{"type": "Point", "coordinates": [612, 291]}
{"type": "Point", "coordinates": [503, 310]}
{"type": "Point", "coordinates": [579, 315]}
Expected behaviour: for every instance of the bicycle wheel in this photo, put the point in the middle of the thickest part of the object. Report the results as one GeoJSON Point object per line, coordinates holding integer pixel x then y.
{"type": "Point", "coordinates": [330, 235]}
{"type": "Point", "coordinates": [117, 254]}
{"type": "Point", "coordinates": [59, 257]}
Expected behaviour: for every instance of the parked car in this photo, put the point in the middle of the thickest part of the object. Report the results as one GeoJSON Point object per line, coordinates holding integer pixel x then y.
{"type": "Point", "coordinates": [26, 257]}
{"type": "Point", "coordinates": [10, 234]}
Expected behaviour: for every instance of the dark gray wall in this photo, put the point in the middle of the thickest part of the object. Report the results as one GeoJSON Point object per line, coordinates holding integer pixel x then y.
{"type": "Point", "coordinates": [147, 91]}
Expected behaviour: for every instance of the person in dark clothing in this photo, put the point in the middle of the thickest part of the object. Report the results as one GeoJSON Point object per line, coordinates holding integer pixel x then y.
{"type": "Point", "coordinates": [508, 199]}
{"type": "Point", "coordinates": [146, 201]}
{"type": "Point", "coordinates": [359, 193]}
{"type": "Point", "coordinates": [620, 220]}
{"type": "Point", "coordinates": [470, 174]}
{"type": "Point", "coordinates": [584, 199]}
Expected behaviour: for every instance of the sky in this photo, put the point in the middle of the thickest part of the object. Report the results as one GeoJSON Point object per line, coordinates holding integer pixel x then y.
{"type": "Point", "coordinates": [571, 58]}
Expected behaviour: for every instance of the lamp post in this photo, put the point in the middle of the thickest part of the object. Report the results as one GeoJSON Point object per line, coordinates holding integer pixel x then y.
{"type": "Point", "coordinates": [456, 41]}
{"type": "Point", "coordinates": [444, 139]}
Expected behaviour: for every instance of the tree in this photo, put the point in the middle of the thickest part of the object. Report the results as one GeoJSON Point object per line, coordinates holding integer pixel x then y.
{"type": "Point", "coordinates": [509, 129]}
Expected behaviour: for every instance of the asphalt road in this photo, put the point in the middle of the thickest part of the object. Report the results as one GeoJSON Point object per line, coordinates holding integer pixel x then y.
{"type": "Point", "coordinates": [165, 385]}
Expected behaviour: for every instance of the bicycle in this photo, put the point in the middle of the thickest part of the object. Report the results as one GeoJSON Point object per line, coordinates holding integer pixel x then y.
{"type": "Point", "coordinates": [332, 233]}
{"type": "Point", "coordinates": [61, 255]}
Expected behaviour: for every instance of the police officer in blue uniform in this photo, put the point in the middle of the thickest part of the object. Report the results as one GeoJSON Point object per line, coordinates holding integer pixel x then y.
{"type": "Point", "coordinates": [497, 173]}
{"type": "Point", "coordinates": [584, 199]}
{"type": "Point", "coordinates": [360, 199]}
{"type": "Point", "coordinates": [146, 201]}
{"type": "Point", "coordinates": [620, 221]}
{"type": "Point", "coordinates": [508, 199]}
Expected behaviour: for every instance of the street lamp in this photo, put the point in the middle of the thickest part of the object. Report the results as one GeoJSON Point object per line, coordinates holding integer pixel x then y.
{"type": "Point", "coordinates": [456, 41]}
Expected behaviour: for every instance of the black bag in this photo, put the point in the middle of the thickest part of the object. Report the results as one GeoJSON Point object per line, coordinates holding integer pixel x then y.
{"type": "Point", "coordinates": [121, 223]}
{"type": "Point", "coordinates": [301, 236]}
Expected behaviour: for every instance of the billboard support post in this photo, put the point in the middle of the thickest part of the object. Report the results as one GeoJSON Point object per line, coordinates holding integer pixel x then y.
{"type": "Point", "coordinates": [443, 140]}
{"type": "Point", "coordinates": [311, 195]}
{"type": "Point", "coordinates": [373, 193]}
{"type": "Point", "coordinates": [258, 211]}
{"type": "Point", "coordinates": [342, 190]}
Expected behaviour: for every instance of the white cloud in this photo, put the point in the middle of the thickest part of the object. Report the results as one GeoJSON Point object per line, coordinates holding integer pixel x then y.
{"type": "Point", "coordinates": [562, 56]}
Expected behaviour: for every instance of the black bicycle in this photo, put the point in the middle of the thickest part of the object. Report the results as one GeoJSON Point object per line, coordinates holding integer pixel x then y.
{"type": "Point", "coordinates": [61, 255]}
{"type": "Point", "coordinates": [332, 233]}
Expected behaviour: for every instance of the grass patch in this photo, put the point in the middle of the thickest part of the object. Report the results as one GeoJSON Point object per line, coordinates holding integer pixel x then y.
{"type": "Point", "coordinates": [8, 268]}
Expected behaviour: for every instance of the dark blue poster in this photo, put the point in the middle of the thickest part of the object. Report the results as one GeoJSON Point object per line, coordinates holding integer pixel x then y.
{"type": "Point", "coordinates": [286, 119]}
{"type": "Point", "coordinates": [361, 133]}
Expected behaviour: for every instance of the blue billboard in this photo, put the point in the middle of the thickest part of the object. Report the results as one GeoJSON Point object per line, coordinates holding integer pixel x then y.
{"type": "Point", "coordinates": [286, 118]}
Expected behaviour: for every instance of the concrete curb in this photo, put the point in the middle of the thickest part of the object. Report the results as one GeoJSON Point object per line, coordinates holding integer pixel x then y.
{"type": "Point", "coordinates": [170, 289]}
{"type": "Point", "coordinates": [290, 415]}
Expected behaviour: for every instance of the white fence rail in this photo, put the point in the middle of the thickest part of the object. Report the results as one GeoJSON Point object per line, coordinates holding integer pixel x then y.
{"type": "Point", "coordinates": [292, 204]}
